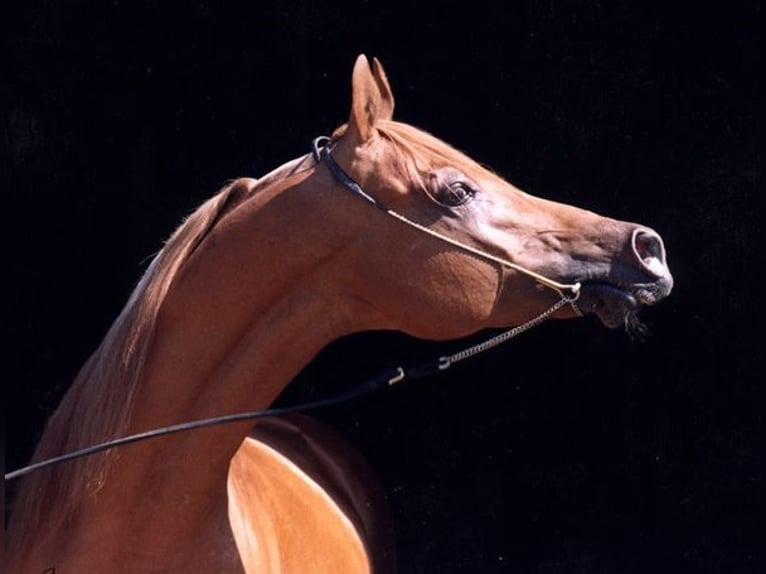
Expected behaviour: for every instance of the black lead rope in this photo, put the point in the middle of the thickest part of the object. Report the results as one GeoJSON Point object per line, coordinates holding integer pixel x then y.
{"type": "Point", "coordinates": [382, 380]}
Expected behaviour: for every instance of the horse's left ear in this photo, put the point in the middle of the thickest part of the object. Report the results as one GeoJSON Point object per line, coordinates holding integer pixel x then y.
{"type": "Point", "coordinates": [371, 98]}
{"type": "Point", "coordinates": [387, 97]}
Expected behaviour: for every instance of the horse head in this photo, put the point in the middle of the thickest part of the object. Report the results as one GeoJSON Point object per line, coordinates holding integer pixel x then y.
{"type": "Point", "coordinates": [621, 266]}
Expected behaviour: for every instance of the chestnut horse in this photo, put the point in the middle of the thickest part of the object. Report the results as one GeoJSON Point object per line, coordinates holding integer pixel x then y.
{"type": "Point", "coordinates": [245, 293]}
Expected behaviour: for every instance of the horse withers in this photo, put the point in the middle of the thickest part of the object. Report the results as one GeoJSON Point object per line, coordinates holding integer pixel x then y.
{"type": "Point", "coordinates": [245, 293]}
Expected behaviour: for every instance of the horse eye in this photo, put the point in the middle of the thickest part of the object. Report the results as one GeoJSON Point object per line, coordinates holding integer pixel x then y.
{"type": "Point", "coordinates": [456, 193]}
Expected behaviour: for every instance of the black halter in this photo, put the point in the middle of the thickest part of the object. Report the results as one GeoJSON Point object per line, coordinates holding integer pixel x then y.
{"type": "Point", "coordinates": [320, 149]}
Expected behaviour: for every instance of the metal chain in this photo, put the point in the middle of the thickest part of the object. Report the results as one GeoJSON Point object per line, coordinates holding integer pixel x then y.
{"type": "Point", "coordinates": [449, 360]}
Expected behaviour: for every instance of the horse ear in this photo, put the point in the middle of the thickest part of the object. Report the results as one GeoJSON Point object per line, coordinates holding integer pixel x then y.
{"type": "Point", "coordinates": [371, 98]}
{"type": "Point", "coordinates": [387, 97]}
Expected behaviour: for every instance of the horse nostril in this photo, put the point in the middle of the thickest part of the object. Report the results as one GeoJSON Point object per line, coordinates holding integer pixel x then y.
{"type": "Point", "coordinates": [648, 247]}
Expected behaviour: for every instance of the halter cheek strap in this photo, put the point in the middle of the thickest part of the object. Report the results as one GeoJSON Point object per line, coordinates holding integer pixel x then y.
{"type": "Point", "coordinates": [320, 149]}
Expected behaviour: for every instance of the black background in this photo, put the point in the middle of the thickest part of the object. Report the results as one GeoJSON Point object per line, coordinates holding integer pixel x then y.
{"type": "Point", "coordinates": [573, 449]}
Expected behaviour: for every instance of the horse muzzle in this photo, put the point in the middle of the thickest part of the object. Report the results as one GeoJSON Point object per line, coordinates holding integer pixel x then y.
{"type": "Point", "coordinates": [640, 277]}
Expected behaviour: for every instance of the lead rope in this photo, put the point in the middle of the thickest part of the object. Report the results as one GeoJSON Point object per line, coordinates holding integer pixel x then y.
{"type": "Point", "coordinates": [382, 380]}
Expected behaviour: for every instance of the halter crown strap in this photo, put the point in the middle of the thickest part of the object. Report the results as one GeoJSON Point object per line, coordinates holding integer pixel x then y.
{"type": "Point", "coordinates": [320, 149]}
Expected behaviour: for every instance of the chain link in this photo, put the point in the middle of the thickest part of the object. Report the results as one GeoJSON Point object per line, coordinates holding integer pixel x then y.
{"type": "Point", "coordinates": [449, 360]}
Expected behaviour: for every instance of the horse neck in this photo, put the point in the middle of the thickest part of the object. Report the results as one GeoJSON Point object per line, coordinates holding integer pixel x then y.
{"type": "Point", "coordinates": [258, 297]}
{"type": "Point", "coordinates": [250, 308]}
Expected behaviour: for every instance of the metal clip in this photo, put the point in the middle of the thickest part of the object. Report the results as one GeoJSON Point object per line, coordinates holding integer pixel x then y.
{"type": "Point", "coordinates": [397, 378]}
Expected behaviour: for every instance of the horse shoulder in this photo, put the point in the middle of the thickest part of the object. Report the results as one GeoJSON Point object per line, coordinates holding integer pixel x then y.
{"type": "Point", "coordinates": [302, 500]}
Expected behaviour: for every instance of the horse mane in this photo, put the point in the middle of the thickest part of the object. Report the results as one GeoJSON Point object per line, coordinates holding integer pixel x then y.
{"type": "Point", "coordinates": [102, 393]}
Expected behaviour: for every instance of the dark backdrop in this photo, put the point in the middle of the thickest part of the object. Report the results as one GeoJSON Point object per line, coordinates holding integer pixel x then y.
{"type": "Point", "coordinates": [573, 449]}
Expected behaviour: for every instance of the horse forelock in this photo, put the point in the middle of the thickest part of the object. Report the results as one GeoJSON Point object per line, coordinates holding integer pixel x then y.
{"type": "Point", "coordinates": [420, 153]}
